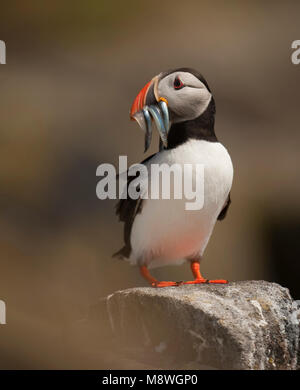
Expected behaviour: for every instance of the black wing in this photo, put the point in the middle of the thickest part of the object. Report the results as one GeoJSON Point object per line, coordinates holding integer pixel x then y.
{"type": "Point", "coordinates": [223, 212]}
{"type": "Point", "coordinates": [127, 209]}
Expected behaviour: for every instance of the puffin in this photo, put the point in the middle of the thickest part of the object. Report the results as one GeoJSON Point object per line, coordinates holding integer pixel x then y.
{"type": "Point", "coordinates": [161, 232]}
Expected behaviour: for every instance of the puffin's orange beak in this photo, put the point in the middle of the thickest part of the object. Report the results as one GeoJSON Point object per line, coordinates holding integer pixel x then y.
{"type": "Point", "coordinates": [140, 101]}
{"type": "Point", "coordinates": [148, 106]}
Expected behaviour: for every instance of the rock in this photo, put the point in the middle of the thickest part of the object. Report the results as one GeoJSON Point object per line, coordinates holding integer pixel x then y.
{"type": "Point", "coordinates": [242, 325]}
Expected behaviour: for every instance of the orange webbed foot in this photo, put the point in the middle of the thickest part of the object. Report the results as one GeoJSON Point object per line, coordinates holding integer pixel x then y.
{"type": "Point", "coordinates": [199, 279]}
{"type": "Point", "coordinates": [196, 281]}
{"type": "Point", "coordinates": [218, 281]}
{"type": "Point", "coordinates": [165, 284]}
{"type": "Point", "coordinates": [206, 281]}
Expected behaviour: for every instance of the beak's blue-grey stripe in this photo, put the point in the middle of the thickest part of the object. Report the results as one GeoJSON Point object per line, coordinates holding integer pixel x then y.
{"type": "Point", "coordinates": [164, 109]}
{"type": "Point", "coordinates": [148, 132]}
{"type": "Point", "coordinates": [155, 112]}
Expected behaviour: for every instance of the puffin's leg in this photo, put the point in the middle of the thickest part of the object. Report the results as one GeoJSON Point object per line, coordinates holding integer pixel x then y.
{"type": "Point", "coordinates": [199, 279]}
{"type": "Point", "coordinates": [154, 282]}
{"type": "Point", "coordinates": [195, 267]}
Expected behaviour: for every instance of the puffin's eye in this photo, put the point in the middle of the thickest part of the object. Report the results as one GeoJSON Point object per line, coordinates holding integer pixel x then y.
{"type": "Point", "coordinates": [178, 84]}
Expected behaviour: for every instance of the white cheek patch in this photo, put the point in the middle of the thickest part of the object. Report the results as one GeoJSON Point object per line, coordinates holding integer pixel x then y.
{"type": "Point", "coordinates": [189, 102]}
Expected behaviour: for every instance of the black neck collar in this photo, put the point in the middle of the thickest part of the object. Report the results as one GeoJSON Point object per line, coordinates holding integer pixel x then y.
{"type": "Point", "coordinates": [201, 128]}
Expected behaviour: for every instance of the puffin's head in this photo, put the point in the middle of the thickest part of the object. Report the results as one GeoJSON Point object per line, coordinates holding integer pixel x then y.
{"type": "Point", "coordinates": [172, 97]}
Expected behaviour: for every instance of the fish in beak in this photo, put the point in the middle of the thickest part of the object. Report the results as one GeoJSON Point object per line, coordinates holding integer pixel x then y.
{"type": "Point", "coordinates": [149, 107]}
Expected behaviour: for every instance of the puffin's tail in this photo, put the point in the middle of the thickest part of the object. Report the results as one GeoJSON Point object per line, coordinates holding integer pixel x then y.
{"type": "Point", "coordinates": [123, 253]}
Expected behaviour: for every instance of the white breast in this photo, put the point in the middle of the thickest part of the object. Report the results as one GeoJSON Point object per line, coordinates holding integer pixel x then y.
{"type": "Point", "coordinates": [165, 232]}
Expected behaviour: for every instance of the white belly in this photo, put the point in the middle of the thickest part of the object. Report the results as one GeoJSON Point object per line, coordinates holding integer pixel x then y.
{"type": "Point", "coordinates": [165, 232]}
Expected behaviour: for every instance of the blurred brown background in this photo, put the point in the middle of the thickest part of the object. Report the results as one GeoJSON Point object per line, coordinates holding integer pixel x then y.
{"type": "Point", "coordinates": [72, 72]}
